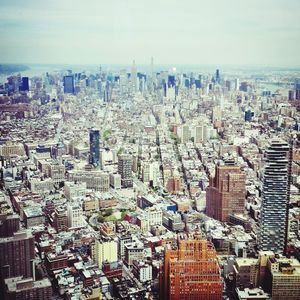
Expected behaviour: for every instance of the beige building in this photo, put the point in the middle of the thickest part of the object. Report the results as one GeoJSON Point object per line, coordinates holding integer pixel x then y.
{"type": "Point", "coordinates": [105, 250]}
{"type": "Point", "coordinates": [285, 278]}
{"type": "Point", "coordinates": [75, 215]}
{"type": "Point", "coordinates": [133, 251]}
{"type": "Point", "coordinates": [12, 149]}
{"type": "Point", "coordinates": [246, 272]}
{"type": "Point", "coordinates": [57, 172]}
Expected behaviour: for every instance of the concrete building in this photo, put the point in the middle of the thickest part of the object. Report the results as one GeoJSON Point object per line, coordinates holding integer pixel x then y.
{"type": "Point", "coordinates": [33, 216]}
{"type": "Point", "coordinates": [246, 272]}
{"type": "Point", "coordinates": [60, 219]}
{"type": "Point", "coordinates": [251, 294]}
{"type": "Point", "coordinates": [154, 216]}
{"type": "Point", "coordinates": [146, 172]}
{"type": "Point", "coordinates": [38, 185]}
{"type": "Point", "coordinates": [173, 221]}
{"type": "Point", "coordinates": [115, 181]}
{"type": "Point", "coordinates": [133, 251]}
{"type": "Point", "coordinates": [75, 215]}
{"type": "Point", "coordinates": [95, 180]}
{"type": "Point", "coordinates": [74, 189]}
{"type": "Point", "coordinates": [125, 169]}
{"type": "Point", "coordinates": [105, 250]}
{"type": "Point", "coordinates": [285, 278]}
{"type": "Point", "coordinates": [142, 270]}
{"type": "Point", "coordinates": [57, 172]}
{"type": "Point", "coordinates": [184, 133]}
{"type": "Point", "coordinates": [10, 148]}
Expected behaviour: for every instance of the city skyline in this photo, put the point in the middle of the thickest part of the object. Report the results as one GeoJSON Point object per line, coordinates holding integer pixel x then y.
{"type": "Point", "coordinates": [231, 32]}
{"type": "Point", "coordinates": [150, 150]}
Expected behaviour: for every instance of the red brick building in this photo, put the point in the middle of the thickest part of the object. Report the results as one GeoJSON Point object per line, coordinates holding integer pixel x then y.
{"type": "Point", "coordinates": [191, 272]}
{"type": "Point", "coordinates": [226, 192]}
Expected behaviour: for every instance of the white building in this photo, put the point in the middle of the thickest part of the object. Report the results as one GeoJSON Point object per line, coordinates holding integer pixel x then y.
{"type": "Point", "coordinates": [184, 133]}
{"type": "Point", "coordinates": [115, 181]}
{"type": "Point", "coordinates": [38, 185]}
{"type": "Point", "coordinates": [74, 189]}
{"type": "Point", "coordinates": [146, 172]}
{"type": "Point", "coordinates": [154, 216]}
{"type": "Point", "coordinates": [95, 180]}
{"type": "Point", "coordinates": [75, 215]}
{"type": "Point", "coordinates": [142, 271]}
{"type": "Point", "coordinates": [56, 172]}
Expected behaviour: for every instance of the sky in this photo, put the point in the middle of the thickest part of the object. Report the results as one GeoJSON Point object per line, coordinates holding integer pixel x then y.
{"type": "Point", "coordinates": [225, 32]}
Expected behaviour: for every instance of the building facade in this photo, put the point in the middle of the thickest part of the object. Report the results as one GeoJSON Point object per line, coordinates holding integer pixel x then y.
{"type": "Point", "coordinates": [191, 272]}
{"type": "Point", "coordinates": [125, 170]}
{"type": "Point", "coordinates": [94, 147]}
{"type": "Point", "coordinates": [226, 192]}
{"type": "Point", "coordinates": [273, 221]}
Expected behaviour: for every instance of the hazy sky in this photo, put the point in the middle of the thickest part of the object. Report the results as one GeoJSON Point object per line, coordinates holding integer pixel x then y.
{"type": "Point", "coordinates": [263, 32]}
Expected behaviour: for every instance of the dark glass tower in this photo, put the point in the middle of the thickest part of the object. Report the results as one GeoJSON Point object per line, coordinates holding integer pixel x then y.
{"type": "Point", "coordinates": [218, 78]}
{"type": "Point", "coordinates": [25, 84]}
{"type": "Point", "coordinates": [94, 147]}
{"type": "Point", "coordinates": [69, 84]}
{"type": "Point", "coordinates": [273, 221]}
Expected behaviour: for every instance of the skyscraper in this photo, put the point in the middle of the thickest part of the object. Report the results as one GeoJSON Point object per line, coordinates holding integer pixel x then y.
{"type": "Point", "coordinates": [218, 78]}
{"type": "Point", "coordinates": [25, 84]}
{"type": "Point", "coordinates": [133, 77]}
{"type": "Point", "coordinates": [273, 220]}
{"type": "Point", "coordinates": [191, 272]}
{"type": "Point", "coordinates": [226, 192]}
{"type": "Point", "coordinates": [125, 169]}
{"type": "Point", "coordinates": [94, 147]}
{"type": "Point", "coordinates": [69, 84]}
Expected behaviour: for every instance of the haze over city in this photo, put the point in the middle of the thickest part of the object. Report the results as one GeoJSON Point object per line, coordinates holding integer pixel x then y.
{"type": "Point", "coordinates": [173, 32]}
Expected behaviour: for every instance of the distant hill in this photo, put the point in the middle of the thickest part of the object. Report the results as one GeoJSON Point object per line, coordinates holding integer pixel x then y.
{"type": "Point", "coordinates": [11, 68]}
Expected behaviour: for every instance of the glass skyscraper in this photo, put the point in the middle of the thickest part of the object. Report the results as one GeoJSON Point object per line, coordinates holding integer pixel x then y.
{"type": "Point", "coordinates": [94, 147]}
{"type": "Point", "coordinates": [69, 84]}
{"type": "Point", "coordinates": [273, 221]}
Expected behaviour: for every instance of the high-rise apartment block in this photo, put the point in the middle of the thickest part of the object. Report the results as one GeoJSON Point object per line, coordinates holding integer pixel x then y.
{"type": "Point", "coordinates": [125, 169]}
{"type": "Point", "coordinates": [226, 192]}
{"type": "Point", "coordinates": [105, 250]}
{"type": "Point", "coordinates": [191, 272]}
{"type": "Point", "coordinates": [17, 253]}
{"type": "Point", "coordinates": [273, 220]}
{"type": "Point", "coordinates": [94, 147]}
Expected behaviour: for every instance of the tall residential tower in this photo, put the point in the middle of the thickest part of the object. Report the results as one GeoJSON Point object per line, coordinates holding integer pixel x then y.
{"type": "Point", "coordinates": [273, 221]}
{"type": "Point", "coordinates": [125, 169]}
{"type": "Point", "coordinates": [94, 147]}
